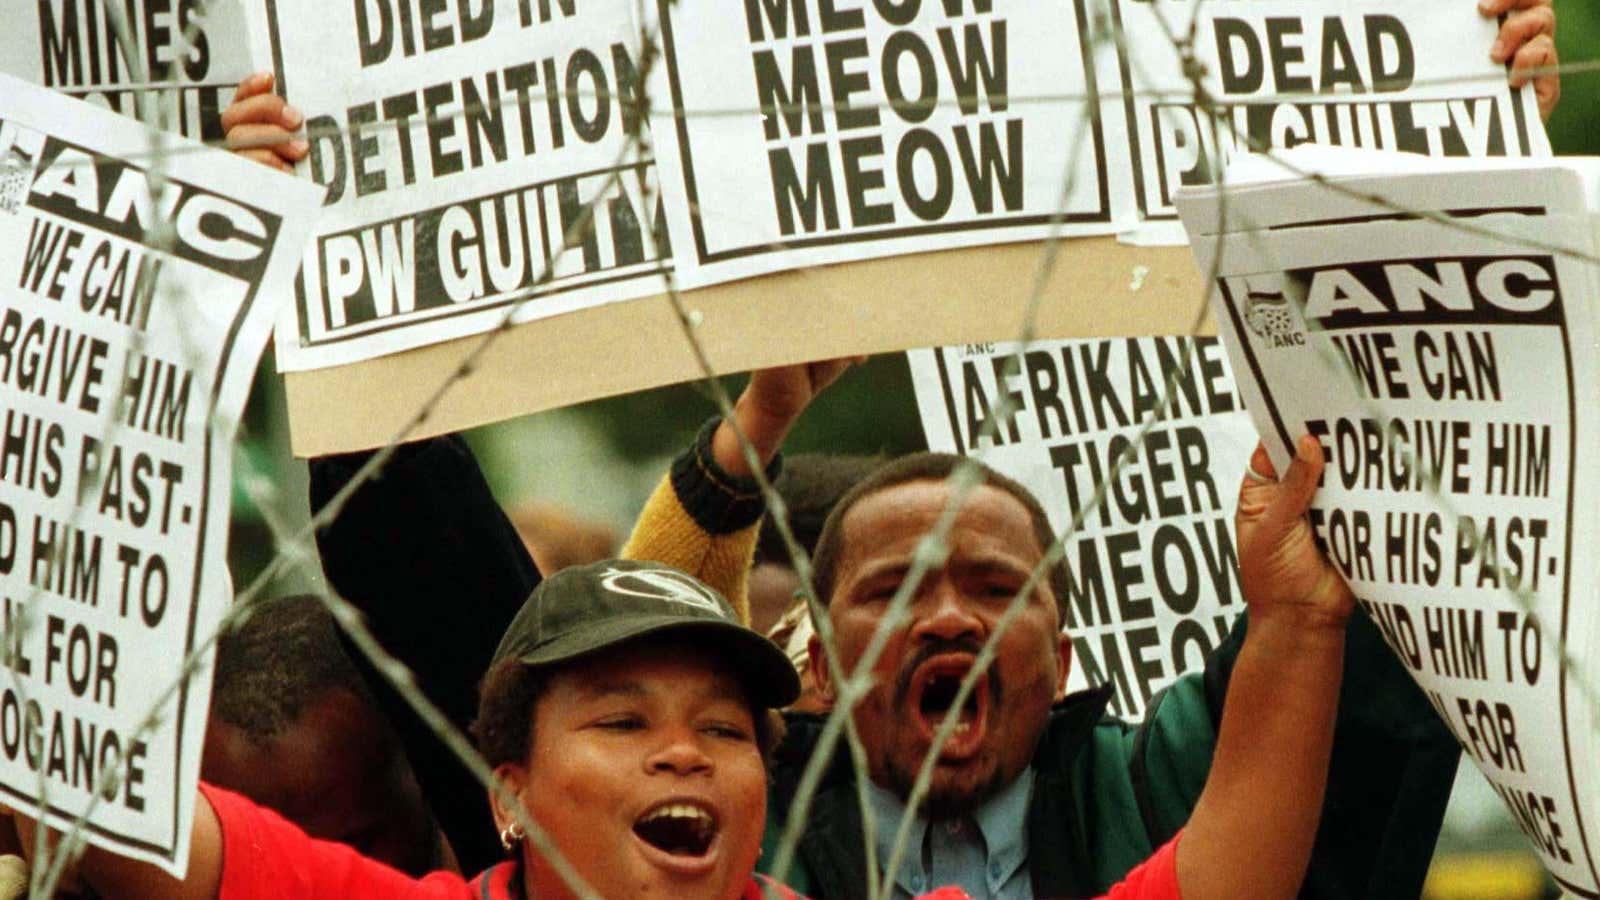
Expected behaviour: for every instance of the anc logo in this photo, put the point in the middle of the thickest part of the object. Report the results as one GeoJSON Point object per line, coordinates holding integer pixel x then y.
{"type": "Point", "coordinates": [1267, 313]}
{"type": "Point", "coordinates": [663, 585]}
{"type": "Point", "coordinates": [16, 175]}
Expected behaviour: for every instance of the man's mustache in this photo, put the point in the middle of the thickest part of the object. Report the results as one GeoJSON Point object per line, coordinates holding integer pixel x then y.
{"type": "Point", "coordinates": [937, 647]}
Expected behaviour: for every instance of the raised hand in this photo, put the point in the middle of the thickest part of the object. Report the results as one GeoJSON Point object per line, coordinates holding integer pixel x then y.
{"type": "Point", "coordinates": [262, 126]}
{"type": "Point", "coordinates": [1282, 572]}
{"type": "Point", "coordinates": [1527, 40]}
{"type": "Point", "coordinates": [770, 405]}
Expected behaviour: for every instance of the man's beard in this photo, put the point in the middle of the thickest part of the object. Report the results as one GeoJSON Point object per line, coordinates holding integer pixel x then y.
{"type": "Point", "coordinates": [946, 801]}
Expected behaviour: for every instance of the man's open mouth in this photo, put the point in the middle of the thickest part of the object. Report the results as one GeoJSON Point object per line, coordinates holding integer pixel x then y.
{"type": "Point", "coordinates": [933, 696]}
{"type": "Point", "coordinates": [679, 828]}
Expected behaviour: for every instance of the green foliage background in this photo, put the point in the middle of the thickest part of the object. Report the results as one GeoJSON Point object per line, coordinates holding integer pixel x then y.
{"type": "Point", "coordinates": [1575, 126]}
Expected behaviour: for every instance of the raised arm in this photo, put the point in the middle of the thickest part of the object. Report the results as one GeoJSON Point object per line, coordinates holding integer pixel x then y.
{"type": "Point", "coordinates": [423, 550]}
{"type": "Point", "coordinates": [704, 515]}
{"type": "Point", "coordinates": [104, 874]}
{"type": "Point", "coordinates": [1251, 833]}
{"type": "Point", "coordinates": [242, 851]}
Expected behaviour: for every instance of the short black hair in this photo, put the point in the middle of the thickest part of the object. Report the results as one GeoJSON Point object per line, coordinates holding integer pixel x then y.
{"type": "Point", "coordinates": [503, 728]}
{"type": "Point", "coordinates": [810, 484]}
{"type": "Point", "coordinates": [278, 661]}
{"type": "Point", "coordinates": [931, 467]}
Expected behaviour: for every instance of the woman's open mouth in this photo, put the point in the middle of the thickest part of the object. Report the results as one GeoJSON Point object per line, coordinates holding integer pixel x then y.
{"type": "Point", "coordinates": [683, 830]}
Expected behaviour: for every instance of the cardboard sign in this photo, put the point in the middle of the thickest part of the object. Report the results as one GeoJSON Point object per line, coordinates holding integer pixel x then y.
{"type": "Point", "coordinates": [125, 364]}
{"type": "Point", "coordinates": [1152, 569]}
{"type": "Point", "coordinates": [786, 138]}
{"type": "Point", "coordinates": [1097, 287]}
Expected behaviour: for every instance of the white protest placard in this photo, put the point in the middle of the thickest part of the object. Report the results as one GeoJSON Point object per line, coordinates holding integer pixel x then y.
{"type": "Point", "coordinates": [1412, 77]}
{"type": "Point", "coordinates": [801, 133]}
{"type": "Point", "coordinates": [124, 364]}
{"type": "Point", "coordinates": [192, 55]}
{"type": "Point", "coordinates": [1450, 376]}
{"type": "Point", "coordinates": [462, 145]}
{"type": "Point", "coordinates": [1152, 569]}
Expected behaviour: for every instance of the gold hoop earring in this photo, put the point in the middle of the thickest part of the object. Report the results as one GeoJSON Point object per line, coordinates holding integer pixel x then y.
{"type": "Point", "coordinates": [512, 835]}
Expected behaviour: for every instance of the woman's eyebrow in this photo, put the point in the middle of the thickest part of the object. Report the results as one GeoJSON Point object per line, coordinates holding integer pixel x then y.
{"type": "Point", "coordinates": [725, 690]}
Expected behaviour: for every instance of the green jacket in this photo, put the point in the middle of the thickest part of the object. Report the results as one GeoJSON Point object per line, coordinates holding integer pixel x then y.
{"type": "Point", "coordinates": [1107, 794]}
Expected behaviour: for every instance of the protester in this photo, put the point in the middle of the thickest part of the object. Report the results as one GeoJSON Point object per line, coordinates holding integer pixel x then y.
{"type": "Point", "coordinates": [433, 510]}
{"type": "Point", "coordinates": [294, 728]}
{"type": "Point", "coordinates": [627, 711]}
{"type": "Point", "coordinates": [1054, 797]}
{"type": "Point", "coordinates": [443, 609]}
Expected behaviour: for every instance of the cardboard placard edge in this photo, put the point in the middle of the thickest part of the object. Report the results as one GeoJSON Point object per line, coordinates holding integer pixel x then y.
{"type": "Point", "coordinates": [872, 306]}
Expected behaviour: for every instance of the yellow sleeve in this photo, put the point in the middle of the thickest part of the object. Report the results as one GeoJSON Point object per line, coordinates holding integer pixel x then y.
{"type": "Point", "coordinates": [665, 532]}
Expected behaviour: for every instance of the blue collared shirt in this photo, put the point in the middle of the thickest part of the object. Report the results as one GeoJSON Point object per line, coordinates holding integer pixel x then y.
{"type": "Point", "coordinates": [985, 853]}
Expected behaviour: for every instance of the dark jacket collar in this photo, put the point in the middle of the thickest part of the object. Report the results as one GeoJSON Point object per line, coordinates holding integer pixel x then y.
{"type": "Point", "coordinates": [831, 847]}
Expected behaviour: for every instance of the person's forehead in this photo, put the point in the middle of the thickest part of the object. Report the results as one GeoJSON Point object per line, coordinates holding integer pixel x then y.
{"type": "Point", "coordinates": [891, 521]}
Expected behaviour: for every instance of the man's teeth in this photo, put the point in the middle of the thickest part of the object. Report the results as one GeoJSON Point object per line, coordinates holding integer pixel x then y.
{"type": "Point", "coordinates": [964, 726]}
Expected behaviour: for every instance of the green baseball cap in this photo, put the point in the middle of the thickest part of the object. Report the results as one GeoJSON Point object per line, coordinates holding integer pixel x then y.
{"type": "Point", "coordinates": [584, 609]}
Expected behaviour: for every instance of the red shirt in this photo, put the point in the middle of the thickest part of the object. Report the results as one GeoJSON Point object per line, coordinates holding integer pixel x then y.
{"type": "Point", "coordinates": [265, 857]}
{"type": "Point", "coordinates": [1154, 879]}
